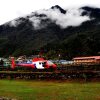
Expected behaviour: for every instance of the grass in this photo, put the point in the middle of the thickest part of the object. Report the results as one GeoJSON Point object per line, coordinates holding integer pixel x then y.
{"type": "Point", "coordinates": [48, 90]}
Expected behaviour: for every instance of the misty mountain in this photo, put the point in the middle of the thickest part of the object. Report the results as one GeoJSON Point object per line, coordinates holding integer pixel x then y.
{"type": "Point", "coordinates": [70, 32]}
{"type": "Point", "coordinates": [60, 9]}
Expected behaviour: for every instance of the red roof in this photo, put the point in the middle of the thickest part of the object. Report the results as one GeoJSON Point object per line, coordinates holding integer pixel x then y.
{"type": "Point", "coordinates": [90, 57]}
{"type": "Point", "coordinates": [38, 59]}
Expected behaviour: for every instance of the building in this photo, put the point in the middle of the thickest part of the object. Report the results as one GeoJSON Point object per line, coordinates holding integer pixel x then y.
{"type": "Point", "coordinates": [85, 60]}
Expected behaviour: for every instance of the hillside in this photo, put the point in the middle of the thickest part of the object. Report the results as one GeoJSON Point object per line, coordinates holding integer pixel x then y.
{"type": "Point", "coordinates": [54, 31]}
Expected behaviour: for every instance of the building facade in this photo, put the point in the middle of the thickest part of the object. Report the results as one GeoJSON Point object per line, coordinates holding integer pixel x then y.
{"type": "Point", "coordinates": [85, 60]}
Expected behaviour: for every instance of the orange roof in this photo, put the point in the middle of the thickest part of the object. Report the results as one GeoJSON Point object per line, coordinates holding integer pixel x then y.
{"type": "Point", "coordinates": [90, 57]}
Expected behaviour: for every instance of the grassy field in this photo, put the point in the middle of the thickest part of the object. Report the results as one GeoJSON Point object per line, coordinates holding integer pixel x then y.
{"type": "Point", "coordinates": [48, 90]}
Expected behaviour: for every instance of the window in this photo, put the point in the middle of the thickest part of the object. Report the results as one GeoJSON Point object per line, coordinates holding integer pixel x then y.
{"type": "Point", "coordinates": [39, 63]}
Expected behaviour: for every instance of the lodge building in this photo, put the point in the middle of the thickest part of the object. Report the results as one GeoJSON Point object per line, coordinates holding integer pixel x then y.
{"type": "Point", "coordinates": [85, 60]}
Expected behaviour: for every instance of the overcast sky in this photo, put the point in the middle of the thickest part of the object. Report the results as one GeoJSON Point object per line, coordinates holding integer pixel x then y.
{"type": "Point", "coordinates": [11, 9]}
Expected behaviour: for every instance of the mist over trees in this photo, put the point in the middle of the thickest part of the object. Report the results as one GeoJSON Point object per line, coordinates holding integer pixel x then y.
{"type": "Point", "coordinates": [50, 39]}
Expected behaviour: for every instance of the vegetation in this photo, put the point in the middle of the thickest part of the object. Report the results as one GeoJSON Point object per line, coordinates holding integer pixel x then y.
{"type": "Point", "coordinates": [24, 39]}
{"type": "Point", "coordinates": [48, 90]}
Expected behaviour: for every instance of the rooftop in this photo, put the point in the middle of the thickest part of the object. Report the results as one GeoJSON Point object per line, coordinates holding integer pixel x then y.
{"type": "Point", "coordinates": [89, 57]}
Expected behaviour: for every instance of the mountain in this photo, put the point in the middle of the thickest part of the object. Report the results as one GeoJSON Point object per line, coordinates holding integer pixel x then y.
{"type": "Point", "coordinates": [60, 9]}
{"type": "Point", "coordinates": [68, 32]}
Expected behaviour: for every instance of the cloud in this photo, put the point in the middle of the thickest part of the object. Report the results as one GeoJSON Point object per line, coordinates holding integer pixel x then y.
{"type": "Point", "coordinates": [35, 21]}
{"type": "Point", "coordinates": [11, 9]}
{"type": "Point", "coordinates": [71, 18]}
{"type": "Point", "coordinates": [14, 22]}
